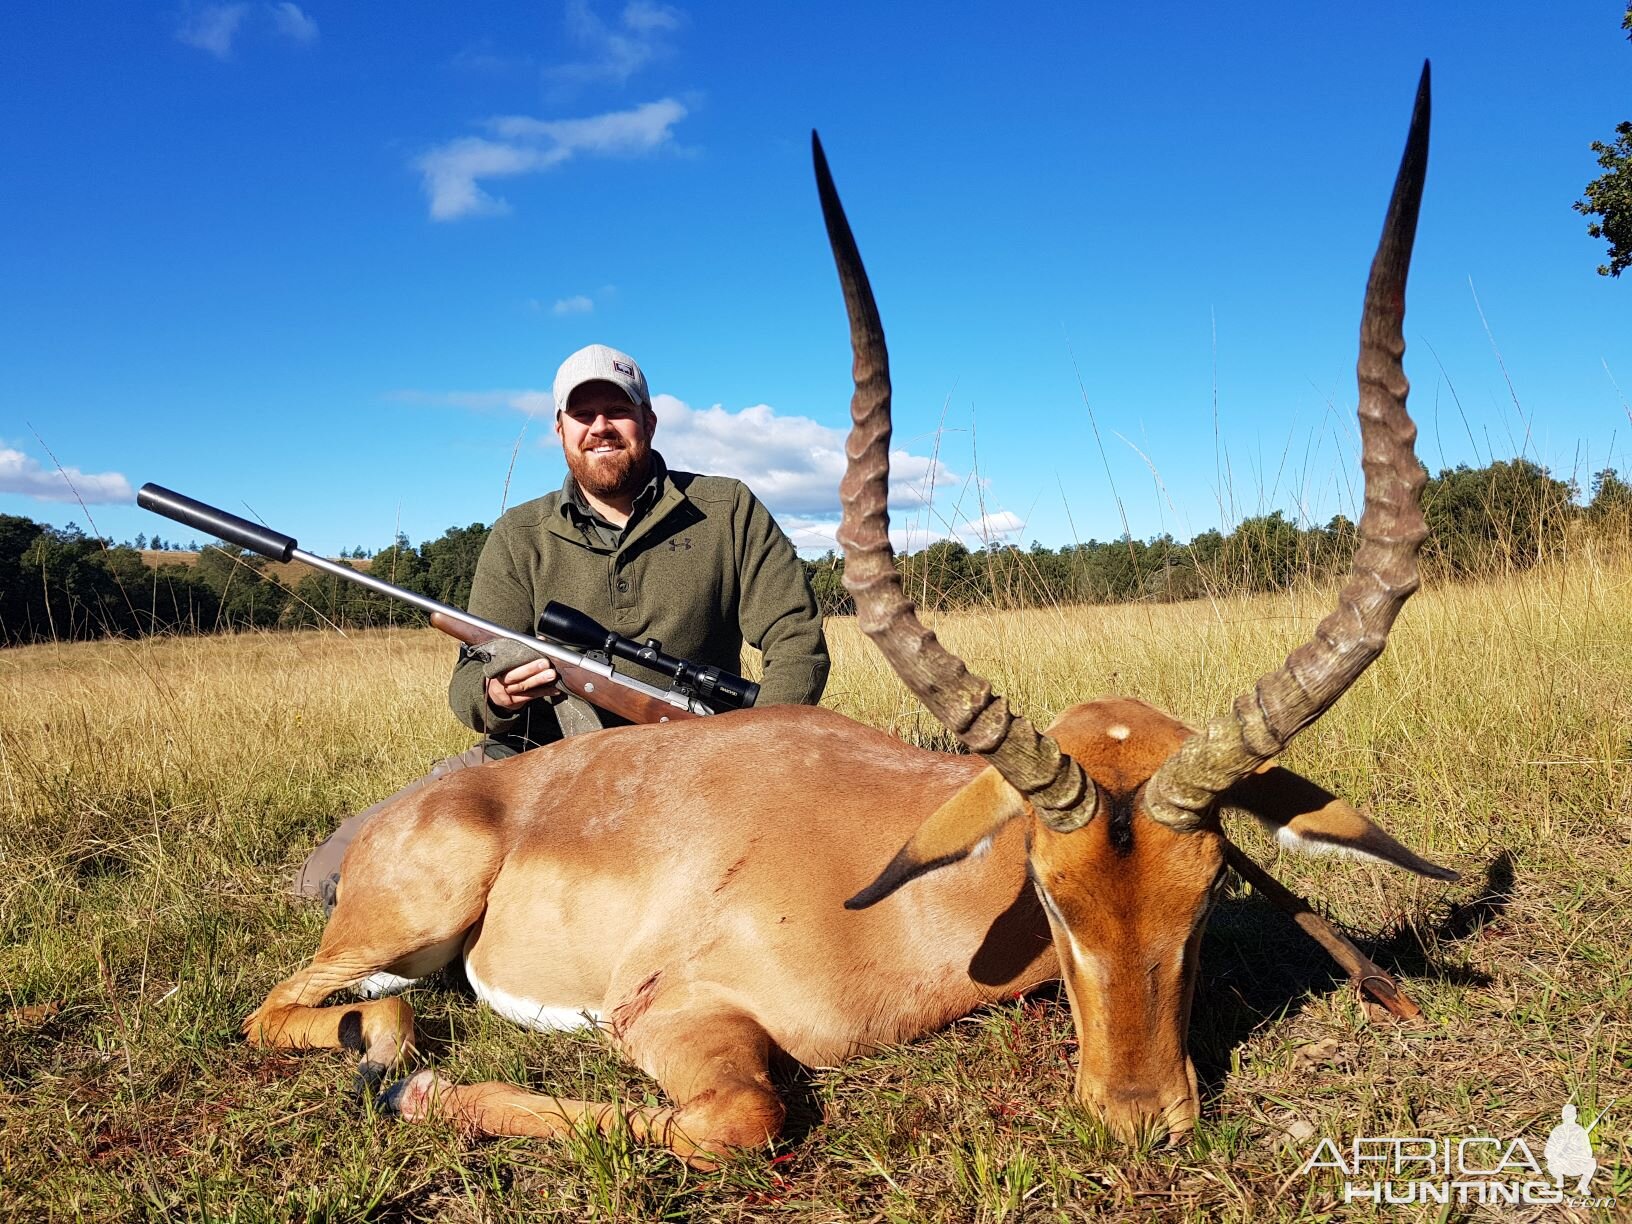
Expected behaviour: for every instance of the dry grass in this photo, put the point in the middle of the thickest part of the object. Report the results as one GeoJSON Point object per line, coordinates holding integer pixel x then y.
{"type": "Point", "coordinates": [157, 794]}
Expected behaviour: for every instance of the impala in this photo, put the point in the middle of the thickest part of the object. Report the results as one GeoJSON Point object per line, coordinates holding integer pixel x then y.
{"type": "Point", "coordinates": [709, 893]}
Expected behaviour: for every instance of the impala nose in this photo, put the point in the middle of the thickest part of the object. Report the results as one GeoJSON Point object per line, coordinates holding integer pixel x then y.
{"type": "Point", "coordinates": [1136, 1114]}
{"type": "Point", "coordinates": [1141, 1118]}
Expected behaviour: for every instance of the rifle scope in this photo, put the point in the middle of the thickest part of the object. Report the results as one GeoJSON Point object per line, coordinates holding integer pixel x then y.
{"type": "Point", "coordinates": [711, 685]}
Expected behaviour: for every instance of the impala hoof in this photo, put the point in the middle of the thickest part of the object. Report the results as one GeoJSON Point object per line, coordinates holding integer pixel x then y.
{"type": "Point", "coordinates": [370, 1076]}
{"type": "Point", "coordinates": [414, 1099]}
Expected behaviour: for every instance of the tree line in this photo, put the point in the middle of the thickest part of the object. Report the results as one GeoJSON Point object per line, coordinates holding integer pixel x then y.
{"type": "Point", "coordinates": [1504, 516]}
{"type": "Point", "coordinates": [57, 583]}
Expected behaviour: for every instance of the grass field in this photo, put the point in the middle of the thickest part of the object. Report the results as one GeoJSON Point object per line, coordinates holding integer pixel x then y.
{"type": "Point", "coordinates": [157, 794]}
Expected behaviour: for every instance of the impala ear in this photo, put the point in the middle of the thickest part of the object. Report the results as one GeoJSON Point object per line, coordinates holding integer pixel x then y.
{"type": "Point", "coordinates": [1311, 820]}
{"type": "Point", "coordinates": [964, 825]}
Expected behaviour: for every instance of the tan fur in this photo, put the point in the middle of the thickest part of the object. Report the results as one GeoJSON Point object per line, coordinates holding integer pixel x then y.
{"type": "Point", "coordinates": [973, 814]}
{"type": "Point", "coordinates": [644, 875]}
{"type": "Point", "coordinates": [697, 907]}
{"type": "Point", "coordinates": [1128, 925]}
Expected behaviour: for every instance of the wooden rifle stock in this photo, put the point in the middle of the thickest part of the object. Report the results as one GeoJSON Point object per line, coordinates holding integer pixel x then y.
{"type": "Point", "coordinates": [593, 687]}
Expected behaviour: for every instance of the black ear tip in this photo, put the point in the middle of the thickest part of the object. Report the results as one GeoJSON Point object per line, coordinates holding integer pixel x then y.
{"type": "Point", "coordinates": [890, 879]}
{"type": "Point", "coordinates": [902, 869]}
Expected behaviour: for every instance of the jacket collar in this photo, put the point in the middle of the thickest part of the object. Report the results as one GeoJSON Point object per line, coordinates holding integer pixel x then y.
{"type": "Point", "coordinates": [574, 515]}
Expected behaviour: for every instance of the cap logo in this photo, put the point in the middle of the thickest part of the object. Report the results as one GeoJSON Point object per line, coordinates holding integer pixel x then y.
{"type": "Point", "coordinates": [623, 367]}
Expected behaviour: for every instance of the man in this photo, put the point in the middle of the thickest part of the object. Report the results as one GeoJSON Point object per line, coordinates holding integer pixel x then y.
{"type": "Point", "coordinates": [693, 561]}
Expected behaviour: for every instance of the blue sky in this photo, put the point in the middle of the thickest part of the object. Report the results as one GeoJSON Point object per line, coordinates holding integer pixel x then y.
{"type": "Point", "coordinates": [319, 262]}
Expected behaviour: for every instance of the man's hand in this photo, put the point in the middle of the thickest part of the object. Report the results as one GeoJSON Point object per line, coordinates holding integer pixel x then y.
{"type": "Point", "coordinates": [520, 685]}
{"type": "Point", "coordinates": [516, 675]}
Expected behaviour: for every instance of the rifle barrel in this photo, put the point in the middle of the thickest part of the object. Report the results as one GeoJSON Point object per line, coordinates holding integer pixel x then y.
{"type": "Point", "coordinates": [279, 547]}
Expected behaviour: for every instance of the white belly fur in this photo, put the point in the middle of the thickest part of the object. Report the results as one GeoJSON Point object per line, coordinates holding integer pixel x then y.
{"type": "Point", "coordinates": [409, 969]}
{"type": "Point", "coordinates": [529, 1014]}
{"type": "Point", "coordinates": [382, 984]}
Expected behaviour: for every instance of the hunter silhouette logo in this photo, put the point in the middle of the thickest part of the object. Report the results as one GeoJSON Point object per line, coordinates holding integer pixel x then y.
{"type": "Point", "coordinates": [1483, 1169]}
{"type": "Point", "coordinates": [1569, 1151]}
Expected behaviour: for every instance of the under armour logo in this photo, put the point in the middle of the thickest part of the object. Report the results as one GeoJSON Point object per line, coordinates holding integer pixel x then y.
{"type": "Point", "coordinates": [683, 542]}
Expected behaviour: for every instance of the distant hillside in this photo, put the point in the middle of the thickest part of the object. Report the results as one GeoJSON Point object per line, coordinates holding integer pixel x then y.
{"type": "Point", "coordinates": [287, 573]}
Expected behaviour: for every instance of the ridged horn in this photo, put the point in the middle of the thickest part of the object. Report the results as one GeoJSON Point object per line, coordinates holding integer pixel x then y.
{"type": "Point", "coordinates": [1032, 763]}
{"type": "Point", "coordinates": [1392, 528]}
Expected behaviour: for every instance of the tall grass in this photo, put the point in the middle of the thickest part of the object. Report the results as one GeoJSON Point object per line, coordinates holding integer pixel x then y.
{"type": "Point", "coordinates": [158, 793]}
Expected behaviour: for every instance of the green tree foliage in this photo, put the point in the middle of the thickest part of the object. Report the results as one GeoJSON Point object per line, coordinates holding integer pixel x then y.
{"type": "Point", "coordinates": [827, 584]}
{"type": "Point", "coordinates": [65, 592]}
{"type": "Point", "coordinates": [245, 598]}
{"type": "Point", "coordinates": [1611, 503]}
{"type": "Point", "coordinates": [16, 534]}
{"type": "Point", "coordinates": [450, 563]}
{"type": "Point", "coordinates": [1506, 514]}
{"type": "Point", "coordinates": [60, 583]}
{"type": "Point", "coordinates": [442, 568]}
{"type": "Point", "coordinates": [1503, 516]}
{"type": "Point", "coordinates": [321, 600]}
{"type": "Point", "coordinates": [1609, 196]}
{"type": "Point", "coordinates": [1265, 553]}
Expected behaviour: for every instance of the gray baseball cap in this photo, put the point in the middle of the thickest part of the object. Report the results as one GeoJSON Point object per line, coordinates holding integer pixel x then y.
{"type": "Point", "coordinates": [598, 363]}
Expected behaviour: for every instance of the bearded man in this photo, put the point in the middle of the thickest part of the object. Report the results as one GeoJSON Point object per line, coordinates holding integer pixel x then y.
{"type": "Point", "coordinates": [693, 561]}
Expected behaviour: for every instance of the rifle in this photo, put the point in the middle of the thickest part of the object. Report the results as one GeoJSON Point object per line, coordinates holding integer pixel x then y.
{"type": "Point", "coordinates": [697, 689]}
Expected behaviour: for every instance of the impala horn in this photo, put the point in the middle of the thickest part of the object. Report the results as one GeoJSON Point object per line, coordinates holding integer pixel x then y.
{"type": "Point", "coordinates": [1032, 763]}
{"type": "Point", "coordinates": [1286, 700]}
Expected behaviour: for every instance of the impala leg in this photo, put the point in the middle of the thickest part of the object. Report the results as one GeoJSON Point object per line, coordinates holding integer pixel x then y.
{"type": "Point", "coordinates": [713, 1062]}
{"type": "Point", "coordinates": [381, 1030]}
{"type": "Point", "coordinates": [412, 884]}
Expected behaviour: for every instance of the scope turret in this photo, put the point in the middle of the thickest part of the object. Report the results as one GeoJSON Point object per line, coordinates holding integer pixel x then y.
{"type": "Point", "coordinates": [711, 685]}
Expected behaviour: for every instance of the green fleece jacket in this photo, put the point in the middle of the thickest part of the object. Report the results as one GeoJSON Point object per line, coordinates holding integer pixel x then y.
{"type": "Point", "coordinates": [701, 567]}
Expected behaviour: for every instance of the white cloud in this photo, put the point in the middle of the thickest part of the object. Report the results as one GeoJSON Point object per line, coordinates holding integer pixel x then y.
{"type": "Point", "coordinates": [640, 130]}
{"type": "Point", "coordinates": [292, 23]}
{"type": "Point", "coordinates": [645, 17]}
{"type": "Point", "coordinates": [529, 146]}
{"type": "Point", "coordinates": [484, 57]}
{"type": "Point", "coordinates": [533, 403]}
{"type": "Point", "coordinates": [999, 527]}
{"type": "Point", "coordinates": [615, 53]}
{"type": "Point", "coordinates": [21, 474]}
{"type": "Point", "coordinates": [793, 464]}
{"type": "Point", "coordinates": [815, 534]}
{"type": "Point", "coordinates": [213, 27]}
{"type": "Point", "coordinates": [578, 304]}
